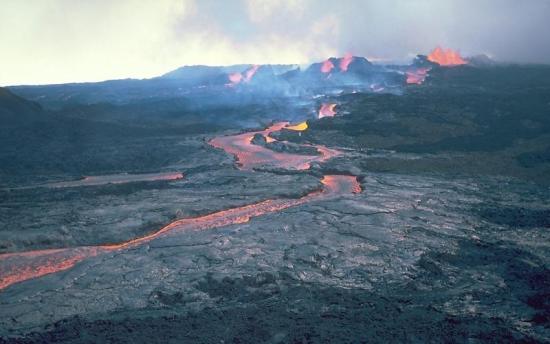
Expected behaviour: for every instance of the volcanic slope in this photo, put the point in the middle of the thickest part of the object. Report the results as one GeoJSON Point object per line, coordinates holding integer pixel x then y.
{"type": "Point", "coordinates": [449, 239]}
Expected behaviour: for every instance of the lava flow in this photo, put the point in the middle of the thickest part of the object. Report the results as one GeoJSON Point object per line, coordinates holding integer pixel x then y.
{"type": "Point", "coordinates": [327, 110]}
{"type": "Point", "coordinates": [21, 266]}
{"type": "Point", "coordinates": [237, 78]}
{"type": "Point", "coordinates": [446, 57]}
{"type": "Point", "coordinates": [327, 66]}
{"type": "Point", "coordinates": [117, 179]}
{"type": "Point", "coordinates": [251, 156]}
{"type": "Point", "coordinates": [297, 127]}
{"type": "Point", "coordinates": [346, 60]}
{"type": "Point", "coordinates": [417, 76]}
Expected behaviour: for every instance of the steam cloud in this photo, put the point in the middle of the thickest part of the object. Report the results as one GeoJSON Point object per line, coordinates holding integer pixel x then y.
{"type": "Point", "coordinates": [53, 41]}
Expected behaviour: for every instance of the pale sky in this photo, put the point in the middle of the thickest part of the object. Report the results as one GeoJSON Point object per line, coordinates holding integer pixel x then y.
{"type": "Point", "coordinates": [57, 41]}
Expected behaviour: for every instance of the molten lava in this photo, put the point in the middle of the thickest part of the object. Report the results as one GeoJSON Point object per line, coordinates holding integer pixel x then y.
{"type": "Point", "coordinates": [417, 76]}
{"type": "Point", "coordinates": [446, 57]}
{"type": "Point", "coordinates": [235, 78]}
{"type": "Point", "coordinates": [327, 110]}
{"type": "Point", "coordinates": [346, 60]}
{"type": "Point", "coordinates": [249, 73]}
{"type": "Point", "coordinates": [327, 66]}
{"type": "Point", "coordinates": [21, 266]}
{"type": "Point", "coordinates": [250, 156]}
{"type": "Point", "coordinates": [298, 127]}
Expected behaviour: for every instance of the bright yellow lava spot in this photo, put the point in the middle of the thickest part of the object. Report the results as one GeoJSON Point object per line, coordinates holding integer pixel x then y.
{"type": "Point", "coordinates": [298, 127]}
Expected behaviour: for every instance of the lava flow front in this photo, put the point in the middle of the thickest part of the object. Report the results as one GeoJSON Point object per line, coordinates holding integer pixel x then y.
{"type": "Point", "coordinates": [21, 266]}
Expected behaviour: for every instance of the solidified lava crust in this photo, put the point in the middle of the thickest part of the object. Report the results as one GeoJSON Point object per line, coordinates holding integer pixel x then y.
{"type": "Point", "coordinates": [18, 267]}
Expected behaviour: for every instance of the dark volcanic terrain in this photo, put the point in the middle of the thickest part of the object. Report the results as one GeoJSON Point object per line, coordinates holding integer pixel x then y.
{"type": "Point", "coordinates": [417, 213]}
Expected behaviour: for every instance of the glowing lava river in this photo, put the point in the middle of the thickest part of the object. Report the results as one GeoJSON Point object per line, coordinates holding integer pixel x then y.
{"type": "Point", "coordinates": [20, 266]}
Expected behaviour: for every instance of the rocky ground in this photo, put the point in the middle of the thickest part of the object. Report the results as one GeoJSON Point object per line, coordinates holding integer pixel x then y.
{"type": "Point", "coordinates": [409, 259]}
{"type": "Point", "coordinates": [447, 242]}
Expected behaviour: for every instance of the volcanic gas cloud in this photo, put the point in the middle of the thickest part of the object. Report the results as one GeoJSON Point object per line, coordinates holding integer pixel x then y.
{"type": "Point", "coordinates": [446, 57]}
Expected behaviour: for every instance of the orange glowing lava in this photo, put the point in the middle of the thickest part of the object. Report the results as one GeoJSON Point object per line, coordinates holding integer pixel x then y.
{"type": "Point", "coordinates": [251, 156]}
{"type": "Point", "coordinates": [327, 110]}
{"type": "Point", "coordinates": [237, 78]}
{"type": "Point", "coordinates": [327, 66]}
{"type": "Point", "coordinates": [346, 60]}
{"type": "Point", "coordinates": [21, 266]}
{"type": "Point", "coordinates": [446, 57]}
{"type": "Point", "coordinates": [417, 76]}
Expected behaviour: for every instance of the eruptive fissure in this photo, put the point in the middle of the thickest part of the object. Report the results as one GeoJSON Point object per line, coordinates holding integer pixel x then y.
{"type": "Point", "coordinates": [22, 266]}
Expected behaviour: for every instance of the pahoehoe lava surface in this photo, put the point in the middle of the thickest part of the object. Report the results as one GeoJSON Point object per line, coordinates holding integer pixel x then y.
{"type": "Point", "coordinates": [408, 213]}
{"type": "Point", "coordinates": [17, 267]}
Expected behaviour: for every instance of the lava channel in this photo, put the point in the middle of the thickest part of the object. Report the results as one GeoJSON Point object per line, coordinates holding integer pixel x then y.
{"type": "Point", "coordinates": [250, 156]}
{"type": "Point", "coordinates": [21, 266]}
{"type": "Point", "coordinates": [117, 179]}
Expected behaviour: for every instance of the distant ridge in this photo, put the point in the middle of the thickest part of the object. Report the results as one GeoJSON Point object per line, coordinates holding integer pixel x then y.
{"type": "Point", "coordinates": [207, 72]}
{"type": "Point", "coordinates": [15, 109]}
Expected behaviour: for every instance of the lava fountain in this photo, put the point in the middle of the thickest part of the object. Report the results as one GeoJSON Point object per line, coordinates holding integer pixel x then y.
{"type": "Point", "coordinates": [446, 57]}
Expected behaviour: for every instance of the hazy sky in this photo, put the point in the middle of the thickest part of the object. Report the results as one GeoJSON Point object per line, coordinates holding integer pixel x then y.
{"type": "Point", "coordinates": [54, 41]}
